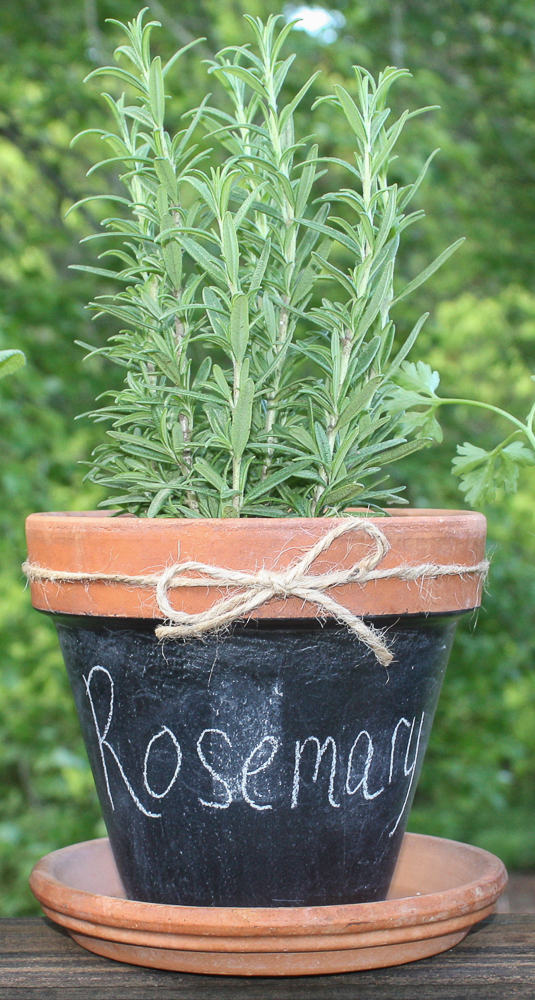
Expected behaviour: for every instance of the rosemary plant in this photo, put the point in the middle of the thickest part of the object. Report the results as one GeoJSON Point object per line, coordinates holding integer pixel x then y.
{"type": "Point", "coordinates": [243, 396]}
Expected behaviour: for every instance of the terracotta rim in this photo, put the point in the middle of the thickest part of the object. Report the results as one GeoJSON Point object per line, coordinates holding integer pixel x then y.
{"type": "Point", "coordinates": [95, 542]}
{"type": "Point", "coordinates": [466, 882]}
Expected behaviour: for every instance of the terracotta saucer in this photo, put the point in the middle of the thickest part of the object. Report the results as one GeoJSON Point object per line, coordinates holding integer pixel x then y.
{"type": "Point", "coordinates": [440, 889]}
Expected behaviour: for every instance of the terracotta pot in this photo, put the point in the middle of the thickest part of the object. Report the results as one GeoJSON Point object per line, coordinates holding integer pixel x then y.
{"type": "Point", "coordinates": [275, 765]}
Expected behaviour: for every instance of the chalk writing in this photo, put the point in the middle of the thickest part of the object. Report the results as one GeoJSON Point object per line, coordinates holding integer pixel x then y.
{"type": "Point", "coordinates": [104, 743]}
{"type": "Point", "coordinates": [299, 747]}
{"type": "Point", "coordinates": [213, 772]}
{"type": "Point", "coordinates": [150, 744]}
{"type": "Point", "coordinates": [408, 769]}
{"type": "Point", "coordinates": [248, 771]}
{"type": "Point", "coordinates": [233, 767]}
{"type": "Point", "coordinates": [363, 783]}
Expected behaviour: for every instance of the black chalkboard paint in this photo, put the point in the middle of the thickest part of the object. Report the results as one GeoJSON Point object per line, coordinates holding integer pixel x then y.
{"type": "Point", "coordinates": [273, 766]}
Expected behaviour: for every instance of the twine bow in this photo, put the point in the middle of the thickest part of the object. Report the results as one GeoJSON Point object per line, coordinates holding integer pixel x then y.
{"type": "Point", "coordinates": [260, 587]}
{"type": "Point", "coordinates": [264, 585]}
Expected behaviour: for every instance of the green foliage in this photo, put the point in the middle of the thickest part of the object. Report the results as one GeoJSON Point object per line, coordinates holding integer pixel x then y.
{"type": "Point", "coordinates": [484, 472]}
{"type": "Point", "coordinates": [243, 396]}
{"type": "Point", "coordinates": [10, 360]}
{"type": "Point", "coordinates": [48, 795]}
{"type": "Point", "coordinates": [478, 778]}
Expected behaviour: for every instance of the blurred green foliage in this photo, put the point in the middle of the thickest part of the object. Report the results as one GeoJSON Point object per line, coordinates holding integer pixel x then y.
{"type": "Point", "coordinates": [476, 58]}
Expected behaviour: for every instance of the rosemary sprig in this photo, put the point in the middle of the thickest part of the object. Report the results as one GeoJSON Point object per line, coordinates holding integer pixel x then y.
{"type": "Point", "coordinates": [243, 395]}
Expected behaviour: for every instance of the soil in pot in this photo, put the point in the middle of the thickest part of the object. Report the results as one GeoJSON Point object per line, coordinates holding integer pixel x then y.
{"type": "Point", "coordinates": [274, 766]}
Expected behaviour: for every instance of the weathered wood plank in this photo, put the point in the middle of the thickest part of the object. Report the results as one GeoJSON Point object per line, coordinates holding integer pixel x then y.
{"type": "Point", "coordinates": [40, 962]}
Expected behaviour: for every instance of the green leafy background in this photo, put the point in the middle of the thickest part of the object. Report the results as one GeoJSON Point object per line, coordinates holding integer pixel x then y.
{"type": "Point", "coordinates": [474, 59]}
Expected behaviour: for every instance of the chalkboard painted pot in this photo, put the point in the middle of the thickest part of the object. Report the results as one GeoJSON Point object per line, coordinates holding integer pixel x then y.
{"type": "Point", "coordinates": [274, 765]}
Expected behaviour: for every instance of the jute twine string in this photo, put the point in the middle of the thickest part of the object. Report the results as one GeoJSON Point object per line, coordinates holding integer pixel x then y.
{"type": "Point", "coordinates": [262, 586]}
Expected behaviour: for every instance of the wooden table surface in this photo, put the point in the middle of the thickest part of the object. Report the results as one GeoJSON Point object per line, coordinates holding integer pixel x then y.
{"type": "Point", "coordinates": [38, 961]}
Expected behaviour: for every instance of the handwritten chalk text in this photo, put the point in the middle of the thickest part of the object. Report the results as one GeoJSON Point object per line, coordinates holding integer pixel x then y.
{"type": "Point", "coordinates": [254, 777]}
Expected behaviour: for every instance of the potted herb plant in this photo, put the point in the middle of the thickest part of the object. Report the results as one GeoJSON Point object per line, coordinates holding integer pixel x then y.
{"type": "Point", "coordinates": [272, 763]}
